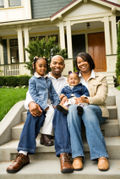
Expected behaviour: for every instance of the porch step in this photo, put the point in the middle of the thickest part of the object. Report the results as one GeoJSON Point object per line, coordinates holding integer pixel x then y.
{"type": "Point", "coordinates": [8, 151]}
{"type": "Point", "coordinates": [112, 112]}
{"type": "Point", "coordinates": [45, 169]}
{"type": "Point", "coordinates": [110, 128]}
{"type": "Point", "coordinates": [111, 101]}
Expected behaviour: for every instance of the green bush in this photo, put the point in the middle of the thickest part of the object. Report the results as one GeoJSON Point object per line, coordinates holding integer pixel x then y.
{"type": "Point", "coordinates": [23, 80]}
{"type": "Point", "coordinates": [119, 80]}
{"type": "Point", "coordinates": [46, 47]}
{"type": "Point", "coordinates": [14, 80]}
{"type": "Point", "coordinates": [2, 80]}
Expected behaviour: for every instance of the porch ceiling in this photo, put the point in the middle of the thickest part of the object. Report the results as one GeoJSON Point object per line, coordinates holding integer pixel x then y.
{"type": "Point", "coordinates": [51, 29]}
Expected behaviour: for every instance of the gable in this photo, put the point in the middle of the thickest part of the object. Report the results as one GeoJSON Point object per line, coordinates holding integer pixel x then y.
{"type": "Point", "coordinates": [87, 9]}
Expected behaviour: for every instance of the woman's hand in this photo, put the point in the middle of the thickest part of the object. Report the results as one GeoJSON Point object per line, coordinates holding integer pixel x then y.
{"type": "Point", "coordinates": [34, 109]}
{"type": "Point", "coordinates": [82, 99]}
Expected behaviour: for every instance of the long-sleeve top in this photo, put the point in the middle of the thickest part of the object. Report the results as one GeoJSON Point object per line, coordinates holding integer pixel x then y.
{"type": "Point", "coordinates": [77, 91]}
{"type": "Point", "coordinates": [41, 89]}
{"type": "Point", "coordinates": [58, 84]}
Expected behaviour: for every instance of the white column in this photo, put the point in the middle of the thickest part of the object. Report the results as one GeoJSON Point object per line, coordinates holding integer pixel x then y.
{"type": "Point", "coordinates": [69, 40]}
{"type": "Point", "coordinates": [27, 6]}
{"type": "Point", "coordinates": [114, 34]}
{"type": "Point", "coordinates": [20, 45]}
{"type": "Point", "coordinates": [1, 53]}
{"type": "Point", "coordinates": [6, 3]}
{"type": "Point", "coordinates": [8, 51]}
{"type": "Point", "coordinates": [62, 35]}
{"type": "Point", "coordinates": [26, 40]}
{"type": "Point", "coordinates": [107, 35]}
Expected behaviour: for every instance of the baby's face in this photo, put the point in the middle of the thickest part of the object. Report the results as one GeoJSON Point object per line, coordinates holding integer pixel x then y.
{"type": "Point", "coordinates": [73, 79]}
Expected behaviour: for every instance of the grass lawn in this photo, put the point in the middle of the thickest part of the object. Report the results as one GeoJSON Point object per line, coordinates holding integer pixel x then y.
{"type": "Point", "coordinates": [10, 96]}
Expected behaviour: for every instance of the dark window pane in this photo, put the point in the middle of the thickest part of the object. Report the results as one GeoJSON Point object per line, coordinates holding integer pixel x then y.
{"type": "Point", "coordinates": [4, 43]}
{"type": "Point", "coordinates": [14, 51]}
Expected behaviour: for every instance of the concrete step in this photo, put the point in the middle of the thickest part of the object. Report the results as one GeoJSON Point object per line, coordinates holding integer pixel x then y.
{"type": "Point", "coordinates": [45, 169]}
{"type": "Point", "coordinates": [112, 112]}
{"type": "Point", "coordinates": [9, 150]}
{"type": "Point", "coordinates": [110, 128]}
{"type": "Point", "coordinates": [23, 116]}
{"type": "Point", "coordinates": [111, 101]}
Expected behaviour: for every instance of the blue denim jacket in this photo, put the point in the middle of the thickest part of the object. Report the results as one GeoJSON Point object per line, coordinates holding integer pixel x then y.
{"type": "Point", "coordinates": [41, 89]}
{"type": "Point", "coordinates": [77, 91]}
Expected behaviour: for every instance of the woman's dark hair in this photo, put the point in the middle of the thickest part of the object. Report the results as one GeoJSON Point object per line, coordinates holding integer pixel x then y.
{"type": "Point", "coordinates": [86, 57]}
{"type": "Point", "coordinates": [36, 58]}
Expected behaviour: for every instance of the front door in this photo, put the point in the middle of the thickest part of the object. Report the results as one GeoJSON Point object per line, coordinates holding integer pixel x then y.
{"type": "Point", "coordinates": [96, 48]}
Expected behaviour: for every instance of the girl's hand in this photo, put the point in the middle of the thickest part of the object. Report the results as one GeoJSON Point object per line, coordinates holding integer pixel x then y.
{"type": "Point", "coordinates": [35, 109]}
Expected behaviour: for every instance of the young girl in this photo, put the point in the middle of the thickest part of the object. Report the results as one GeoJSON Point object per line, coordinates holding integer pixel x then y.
{"type": "Point", "coordinates": [40, 86]}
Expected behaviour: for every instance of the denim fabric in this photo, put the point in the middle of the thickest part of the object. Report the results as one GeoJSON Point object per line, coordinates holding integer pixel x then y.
{"type": "Point", "coordinates": [62, 137]}
{"type": "Point", "coordinates": [29, 133]}
{"type": "Point", "coordinates": [77, 90]}
{"type": "Point", "coordinates": [92, 116]}
{"type": "Point", "coordinates": [41, 89]}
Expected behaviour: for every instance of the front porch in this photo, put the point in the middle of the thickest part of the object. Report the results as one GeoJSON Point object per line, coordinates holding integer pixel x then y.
{"type": "Point", "coordinates": [94, 32]}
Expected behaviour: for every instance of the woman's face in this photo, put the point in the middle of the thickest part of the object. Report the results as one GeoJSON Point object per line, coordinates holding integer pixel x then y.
{"type": "Point", "coordinates": [83, 66]}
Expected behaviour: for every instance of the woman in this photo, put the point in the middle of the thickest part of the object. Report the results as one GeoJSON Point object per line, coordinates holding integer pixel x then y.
{"type": "Point", "coordinates": [94, 114]}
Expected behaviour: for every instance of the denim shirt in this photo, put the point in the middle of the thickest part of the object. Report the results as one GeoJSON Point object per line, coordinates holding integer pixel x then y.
{"type": "Point", "coordinates": [77, 91]}
{"type": "Point", "coordinates": [41, 89]}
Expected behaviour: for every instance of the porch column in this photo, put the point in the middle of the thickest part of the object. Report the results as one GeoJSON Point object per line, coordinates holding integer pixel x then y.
{"type": "Point", "coordinates": [8, 51]}
{"type": "Point", "coordinates": [107, 35]}
{"type": "Point", "coordinates": [62, 35]}
{"type": "Point", "coordinates": [114, 34]}
{"type": "Point", "coordinates": [6, 3]}
{"type": "Point", "coordinates": [69, 40]}
{"type": "Point", "coordinates": [20, 45]}
{"type": "Point", "coordinates": [26, 40]}
{"type": "Point", "coordinates": [1, 53]}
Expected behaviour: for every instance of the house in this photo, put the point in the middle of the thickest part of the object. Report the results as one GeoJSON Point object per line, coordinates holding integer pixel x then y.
{"type": "Point", "coordinates": [79, 25]}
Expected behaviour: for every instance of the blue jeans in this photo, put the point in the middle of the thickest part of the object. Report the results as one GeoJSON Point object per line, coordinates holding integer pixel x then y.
{"type": "Point", "coordinates": [92, 117]}
{"type": "Point", "coordinates": [29, 133]}
{"type": "Point", "coordinates": [62, 137]}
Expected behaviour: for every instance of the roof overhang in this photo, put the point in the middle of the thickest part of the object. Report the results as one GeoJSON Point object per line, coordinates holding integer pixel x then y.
{"type": "Point", "coordinates": [106, 3]}
{"type": "Point", "coordinates": [24, 22]}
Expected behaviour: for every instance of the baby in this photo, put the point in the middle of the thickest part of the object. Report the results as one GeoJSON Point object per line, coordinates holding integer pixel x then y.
{"type": "Point", "coordinates": [73, 90]}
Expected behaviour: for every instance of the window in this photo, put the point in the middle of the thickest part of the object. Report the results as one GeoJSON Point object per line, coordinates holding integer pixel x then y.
{"type": "Point", "coordinates": [14, 51]}
{"type": "Point", "coordinates": [14, 3]}
{"type": "Point", "coordinates": [1, 3]}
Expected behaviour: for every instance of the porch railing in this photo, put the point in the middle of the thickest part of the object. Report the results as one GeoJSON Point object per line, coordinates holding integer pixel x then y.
{"type": "Point", "coordinates": [9, 70]}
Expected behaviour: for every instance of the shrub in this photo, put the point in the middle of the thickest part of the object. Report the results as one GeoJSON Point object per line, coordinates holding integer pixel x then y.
{"type": "Point", "coordinates": [14, 80]}
{"type": "Point", "coordinates": [2, 80]}
{"type": "Point", "coordinates": [46, 47]}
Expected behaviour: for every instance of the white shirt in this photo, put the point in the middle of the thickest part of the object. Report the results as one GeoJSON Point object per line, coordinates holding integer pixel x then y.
{"type": "Point", "coordinates": [58, 84]}
{"type": "Point", "coordinates": [85, 82]}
